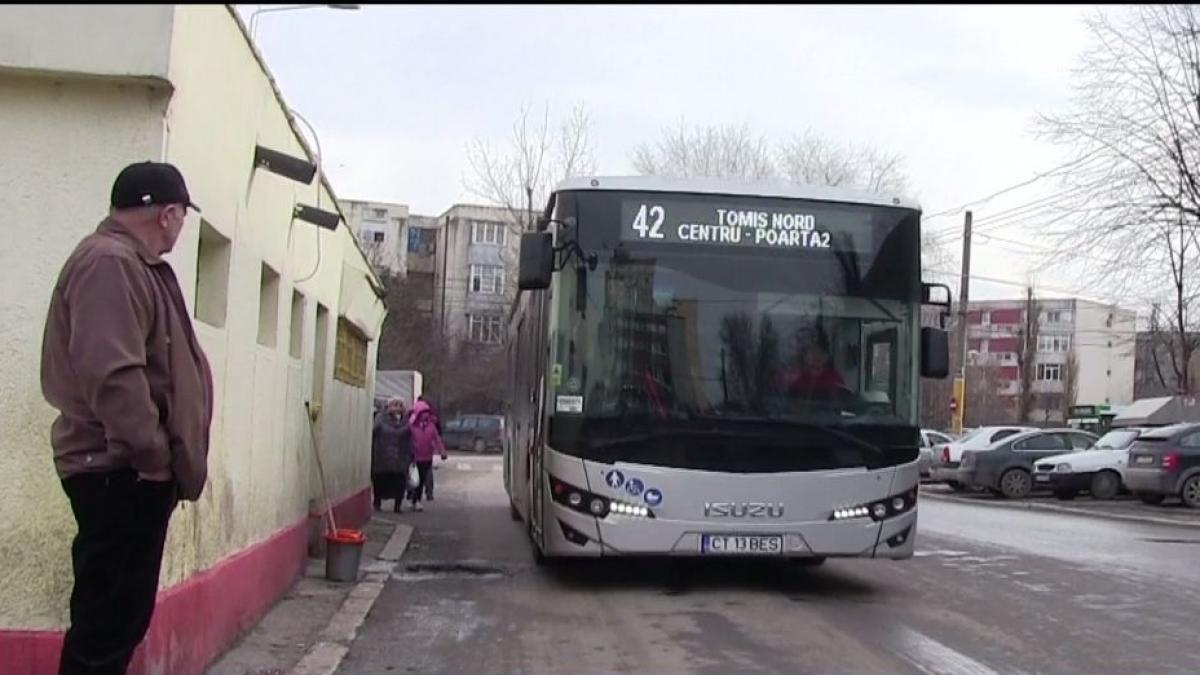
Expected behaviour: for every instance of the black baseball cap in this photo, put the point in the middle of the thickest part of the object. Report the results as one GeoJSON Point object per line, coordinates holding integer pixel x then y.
{"type": "Point", "coordinates": [148, 183]}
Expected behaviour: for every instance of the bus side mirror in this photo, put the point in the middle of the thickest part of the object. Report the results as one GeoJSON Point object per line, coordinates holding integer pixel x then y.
{"type": "Point", "coordinates": [536, 261]}
{"type": "Point", "coordinates": [935, 353]}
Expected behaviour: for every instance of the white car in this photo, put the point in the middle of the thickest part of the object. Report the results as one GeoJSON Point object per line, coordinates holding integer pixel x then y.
{"type": "Point", "coordinates": [1099, 470]}
{"type": "Point", "coordinates": [931, 442]}
{"type": "Point", "coordinates": [946, 457]}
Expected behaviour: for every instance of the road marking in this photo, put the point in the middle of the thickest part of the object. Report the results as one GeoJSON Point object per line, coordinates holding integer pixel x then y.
{"type": "Point", "coordinates": [324, 657]}
{"type": "Point", "coordinates": [935, 658]}
{"type": "Point", "coordinates": [461, 466]}
{"type": "Point", "coordinates": [397, 544]}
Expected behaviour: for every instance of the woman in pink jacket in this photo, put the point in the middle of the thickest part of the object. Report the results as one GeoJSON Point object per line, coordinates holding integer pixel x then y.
{"type": "Point", "coordinates": [426, 442]}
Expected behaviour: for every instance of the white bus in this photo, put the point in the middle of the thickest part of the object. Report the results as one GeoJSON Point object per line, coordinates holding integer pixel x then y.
{"type": "Point", "coordinates": [703, 367]}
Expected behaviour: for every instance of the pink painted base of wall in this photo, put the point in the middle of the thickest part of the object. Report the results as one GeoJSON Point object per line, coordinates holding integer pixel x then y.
{"type": "Point", "coordinates": [197, 620]}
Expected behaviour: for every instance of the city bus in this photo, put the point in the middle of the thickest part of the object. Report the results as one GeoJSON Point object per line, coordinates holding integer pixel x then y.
{"type": "Point", "coordinates": [709, 368]}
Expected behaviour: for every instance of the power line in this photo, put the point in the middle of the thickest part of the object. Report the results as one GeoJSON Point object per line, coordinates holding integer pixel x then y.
{"type": "Point", "coordinates": [1009, 282]}
{"type": "Point", "coordinates": [959, 209]}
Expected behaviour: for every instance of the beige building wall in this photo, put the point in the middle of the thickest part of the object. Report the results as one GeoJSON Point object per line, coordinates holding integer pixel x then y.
{"type": "Point", "coordinates": [370, 221]}
{"type": "Point", "coordinates": [74, 135]}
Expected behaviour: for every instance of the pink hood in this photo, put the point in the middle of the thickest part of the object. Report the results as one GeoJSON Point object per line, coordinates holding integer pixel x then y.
{"type": "Point", "coordinates": [425, 439]}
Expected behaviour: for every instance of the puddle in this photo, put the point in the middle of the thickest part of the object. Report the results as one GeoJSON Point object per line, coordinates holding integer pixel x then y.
{"type": "Point", "coordinates": [457, 569]}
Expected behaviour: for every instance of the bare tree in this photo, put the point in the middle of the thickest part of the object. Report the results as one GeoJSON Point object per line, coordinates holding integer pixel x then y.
{"type": "Point", "coordinates": [715, 151]}
{"type": "Point", "coordinates": [985, 402]}
{"type": "Point", "coordinates": [818, 160]}
{"type": "Point", "coordinates": [374, 253]}
{"type": "Point", "coordinates": [1070, 380]}
{"type": "Point", "coordinates": [1027, 356]}
{"type": "Point", "coordinates": [409, 339]}
{"type": "Point", "coordinates": [1134, 131]}
{"type": "Point", "coordinates": [520, 176]}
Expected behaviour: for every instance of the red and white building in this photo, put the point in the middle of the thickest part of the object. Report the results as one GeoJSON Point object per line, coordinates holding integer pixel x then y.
{"type": "Point", "coordinates": [1101, 336]}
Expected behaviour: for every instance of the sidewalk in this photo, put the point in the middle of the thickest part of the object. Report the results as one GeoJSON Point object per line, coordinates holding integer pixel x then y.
{"type": "Point", "coordinates": [303, 632]}
{"type": "Point", "coordinates": [1123, 508]}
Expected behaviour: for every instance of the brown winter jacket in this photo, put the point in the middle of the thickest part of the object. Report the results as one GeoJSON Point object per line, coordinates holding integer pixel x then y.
{"type": "Point", "coordinates": [121, 363]}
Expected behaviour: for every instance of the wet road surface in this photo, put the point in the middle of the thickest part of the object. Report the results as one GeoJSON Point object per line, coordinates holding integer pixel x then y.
{"type": "Point", "coordinates": [990, 591]}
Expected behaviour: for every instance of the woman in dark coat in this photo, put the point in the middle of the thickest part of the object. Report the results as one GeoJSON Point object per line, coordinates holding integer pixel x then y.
{"type": "Point", "coordinates": [390, 455]}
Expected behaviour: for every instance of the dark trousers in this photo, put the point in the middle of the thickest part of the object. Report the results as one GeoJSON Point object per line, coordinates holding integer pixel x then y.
{"type": "Point", "coordinates": [425, 470]}
{"type": "Point", "coordinates": [116, 556]}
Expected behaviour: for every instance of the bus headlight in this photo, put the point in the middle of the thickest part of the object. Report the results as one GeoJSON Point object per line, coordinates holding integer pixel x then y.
{"type": "Point", "coordinates": [846, 514]}
{"type": "Point", "coordinates": [599, 506]}
{"type": "Point", "coordinates": [879, 510]}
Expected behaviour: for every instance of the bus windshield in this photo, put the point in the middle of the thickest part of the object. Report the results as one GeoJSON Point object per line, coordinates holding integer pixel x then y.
{"type": "Point", "coordinates": [727, 357]}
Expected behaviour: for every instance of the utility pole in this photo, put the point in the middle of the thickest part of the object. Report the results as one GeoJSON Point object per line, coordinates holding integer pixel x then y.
{"type": "Point", "coordinates": [960, 382]}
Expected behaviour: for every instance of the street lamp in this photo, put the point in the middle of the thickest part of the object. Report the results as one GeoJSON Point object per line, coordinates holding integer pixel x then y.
{"type": "Point", "coordinates": [284, 8]}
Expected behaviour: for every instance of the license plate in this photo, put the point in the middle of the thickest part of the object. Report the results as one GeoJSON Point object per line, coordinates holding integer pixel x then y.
{"type": "Point", "coordinates": [1143, 459]}
{"type": "Point", "coordinates": [733, 544]}
{"type": "Point", "coordinates": [1042, 478]}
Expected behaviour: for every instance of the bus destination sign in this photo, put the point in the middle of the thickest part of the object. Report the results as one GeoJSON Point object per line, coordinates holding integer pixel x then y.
{"type": "Point", "coordinates": [811, 227]}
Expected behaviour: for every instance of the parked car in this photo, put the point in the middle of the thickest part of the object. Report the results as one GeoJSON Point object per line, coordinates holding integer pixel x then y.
{"type": "Point", "coordinates": [930, 440]}
{"type": "Point", "coordinates": [1165, 462]}
{"type": "Point", "coordinates": [946, 457]}
{"type": "Point", "coordinates": [474, 432]}
{"type": "Point", "coordinates": [1006, 468]}
{"type": "Point", "coordinates": [1100, 470]}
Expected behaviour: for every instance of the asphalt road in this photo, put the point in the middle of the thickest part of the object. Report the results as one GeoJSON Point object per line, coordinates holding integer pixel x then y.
{"type": "Point", "coordinates": [990, 591]}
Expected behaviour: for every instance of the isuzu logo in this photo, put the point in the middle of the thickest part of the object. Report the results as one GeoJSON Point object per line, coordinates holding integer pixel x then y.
{"type": "Point", "coordinates": [743, 510]}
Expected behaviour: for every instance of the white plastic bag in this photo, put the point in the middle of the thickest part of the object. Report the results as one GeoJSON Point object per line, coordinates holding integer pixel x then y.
{"type": "Point", "coordinates": [414, 477]}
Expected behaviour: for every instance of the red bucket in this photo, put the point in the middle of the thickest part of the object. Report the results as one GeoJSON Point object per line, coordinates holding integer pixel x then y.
{"type": "Point", "coordinates": [346, 536]}
{"type": "Point", "coordinates": [343, 554]}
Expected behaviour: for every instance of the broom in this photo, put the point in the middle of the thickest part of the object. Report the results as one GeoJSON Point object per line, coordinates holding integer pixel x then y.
{"type": "Point", "coordinates": [320, 469]}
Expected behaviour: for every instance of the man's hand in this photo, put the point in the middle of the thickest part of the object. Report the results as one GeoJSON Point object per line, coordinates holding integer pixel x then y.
{"type": "Point", "coordinates": [162, 476]}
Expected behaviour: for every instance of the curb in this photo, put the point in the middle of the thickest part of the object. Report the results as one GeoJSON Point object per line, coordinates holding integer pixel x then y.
{"type": "Point", "coordinates": [1053, 508]}
{"type": "Point", "coordinates": [324, 657]}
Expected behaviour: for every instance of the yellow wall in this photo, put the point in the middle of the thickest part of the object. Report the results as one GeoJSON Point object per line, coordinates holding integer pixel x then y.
{"type": "Point", "coordinates": [261, 466]}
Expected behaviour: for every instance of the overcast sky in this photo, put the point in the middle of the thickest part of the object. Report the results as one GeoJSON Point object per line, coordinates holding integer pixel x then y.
{"type": "Point", "coordinates": [395, 93]}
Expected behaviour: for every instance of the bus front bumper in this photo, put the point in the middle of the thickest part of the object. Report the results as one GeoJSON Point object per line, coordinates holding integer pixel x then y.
{"type": "Point", "coordinates": [574, 534]}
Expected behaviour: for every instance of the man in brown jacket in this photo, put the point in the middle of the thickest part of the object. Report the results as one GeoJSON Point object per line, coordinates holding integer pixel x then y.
{"type": "Point", "coordinates": [123, 367]}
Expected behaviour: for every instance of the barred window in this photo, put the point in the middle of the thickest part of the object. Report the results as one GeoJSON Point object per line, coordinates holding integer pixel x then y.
{"type": "Point", "coordinates": [488, 233]}
{"type": "Point", "coordinates": [350, 357]}
{"type": "Point", "coordinates": [487, 279]}
{"type": "Point", "coordinates": [485, 329]}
